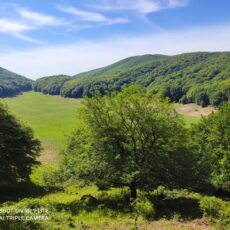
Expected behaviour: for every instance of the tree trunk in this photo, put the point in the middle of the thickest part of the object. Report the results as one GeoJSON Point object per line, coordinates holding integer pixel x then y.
{"type": "Point", "coordinates": [133, 191]}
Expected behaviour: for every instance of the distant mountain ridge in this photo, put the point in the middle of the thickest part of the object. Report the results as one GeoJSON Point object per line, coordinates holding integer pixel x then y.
{"type": "Point", "coordinates": [12, 84]}
{"type": "Point", "coordinates": [201, 77]}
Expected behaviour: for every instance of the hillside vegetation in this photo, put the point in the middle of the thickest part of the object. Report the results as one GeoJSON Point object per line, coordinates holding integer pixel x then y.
{"type": "Point", "coordinates": [12, 84]}
{"type": "Point", "coordinates": [50, 85]}
{"type": "Point", "coordinates": [202, 78]}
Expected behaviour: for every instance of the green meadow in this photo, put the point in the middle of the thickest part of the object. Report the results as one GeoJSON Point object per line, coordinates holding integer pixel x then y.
{"type": "Point", "coordinates": [51, 117]}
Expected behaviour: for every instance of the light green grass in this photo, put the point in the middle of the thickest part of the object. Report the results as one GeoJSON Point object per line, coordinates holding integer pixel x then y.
{"type": "Point", "coordinates": [51, 117]}
{"type": "Point", "coordinates": [189, 120]}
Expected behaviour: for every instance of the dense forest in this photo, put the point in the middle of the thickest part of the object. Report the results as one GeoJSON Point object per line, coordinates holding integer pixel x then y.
{"type": "Point", "coordinates": [202, 78]}
{"type": "Point", "coordinates": [50, 85]}
{"type": "Point", "coordinates": [12, 84]}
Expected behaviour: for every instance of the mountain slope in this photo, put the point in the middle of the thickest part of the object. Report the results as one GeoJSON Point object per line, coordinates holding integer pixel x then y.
{"type": "Point", "coordinates": [125, 64]}
{"type": "Point", "coordinates": [202, 77]}
{"type": "Point", "coordinates": [12, 84]}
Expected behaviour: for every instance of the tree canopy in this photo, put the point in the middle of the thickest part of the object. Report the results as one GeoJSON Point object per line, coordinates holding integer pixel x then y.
{"type": "Point", "coordinates": [18, 148]}
{"type": "Point", "coordinates": [132, 139]}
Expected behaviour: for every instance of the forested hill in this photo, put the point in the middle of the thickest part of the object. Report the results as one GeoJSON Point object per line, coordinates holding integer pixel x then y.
{"type": "Point", "coordinates": [12, 84]}
{"type": "Point", "coordinates": [50, 85]}
{"type": "Point", "coordinates": [202, 77]}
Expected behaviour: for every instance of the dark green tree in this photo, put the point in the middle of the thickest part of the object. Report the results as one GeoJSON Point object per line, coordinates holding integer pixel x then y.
{"type": "Point", "coordinates": [132, 139]}
{"type": "Point", "coordinates": [212, 135]}
{"type": "Point", "coordinates": [18, 148]}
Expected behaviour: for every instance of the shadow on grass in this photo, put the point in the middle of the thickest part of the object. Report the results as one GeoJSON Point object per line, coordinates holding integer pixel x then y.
{"type": "Point", "coordinates": [182, 207]}
{"type": "Point", "coordinates": [16, 192]}
{"type": "Point", "coordinates": [88, 203]}
{"type": "Point", "coordinates": [165, 207]}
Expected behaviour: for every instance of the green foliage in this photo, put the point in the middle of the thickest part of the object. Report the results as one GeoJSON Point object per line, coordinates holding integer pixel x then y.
{"type": "Point", "coordinates": [212, 135]}
{"type": "Point", "coordinates": [217, 211]}
{"type": "Point", "coordinates": [144, 207]}
{"type": "Point", "coordinates": [50, 85]}
{"type": "Point", "coordinates": [160, 192]}
{"type": "Point", "coordinates": [199, 77]}
{"type": "Point", "coordinates": [211, 206]}
{"type": "Point", "coordinates": [18, 148]}
{"type": "Point", "coordinates": [12, 84]}
{"type": "Point", "coordinates": [46, 175]}
{"type": "Point", "coordinates": [132, 139]}
{"type": "Point", "coordinates": [77, 207]}
{"type": "Point", "coordinates": [22, 225]}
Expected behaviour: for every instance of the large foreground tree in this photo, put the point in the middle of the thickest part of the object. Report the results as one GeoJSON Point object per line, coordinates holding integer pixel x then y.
{"type": "Point", "coordinates": [132, 139]}
{"type": "Point", "coordinates": [18, 148]}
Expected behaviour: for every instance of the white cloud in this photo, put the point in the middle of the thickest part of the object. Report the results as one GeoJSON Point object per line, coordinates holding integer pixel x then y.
{"type": "Point", "coordinates": [27, 20]}
{"type": "Point", "coordinates": [138, 6]}
{"type": "Point", "coordinates": [27, 38]}
{"type": "Point", "coordinates": [40, 19]}
{"type": "Point", "coordinates": [16, 28]}
{"type": "Point", "coordinates": [91, 16]}
{"type": "Point", "coordinates": [177, 3]}
{"type": "Point", "coordinates": [13, 26]}
{"type": "Point", "coordinates": [81, 56]}
{"type": "Point", "coordinates": [83, 15]}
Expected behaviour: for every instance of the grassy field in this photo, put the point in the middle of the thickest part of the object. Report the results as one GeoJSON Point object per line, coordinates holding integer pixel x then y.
{"type": "Point", "coordinates": [52, 118]}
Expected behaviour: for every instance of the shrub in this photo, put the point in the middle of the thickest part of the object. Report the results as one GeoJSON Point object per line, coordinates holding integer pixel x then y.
{"type": "Point", "coordinates": [211, 206]}
{"type": "Point", "coordinates": [224, 222]}
{"type": "Point", "coordinates": [46, 175]}
{"type": "Point", "coordinates": [217, 211]}
{"type": "Point", "coordinates": [160, 192]}
{"type": "Point", "coordinates": [144, 207]}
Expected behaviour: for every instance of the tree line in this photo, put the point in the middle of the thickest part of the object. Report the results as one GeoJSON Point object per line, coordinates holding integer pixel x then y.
{"type": "Point", "coordinates": [202, 78]}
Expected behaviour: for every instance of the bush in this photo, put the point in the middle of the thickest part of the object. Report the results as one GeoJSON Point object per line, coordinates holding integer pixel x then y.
{"type": "Point", "coordinates": [224, 222]}
{"type": "Point", "coordinates": [211, 206]}
{"type": "Point", "coordinates": [46, 175]}
{"type": "Point", "coordinates": [217, 211]}
{"type": "Point", "coordinates": [144, 207]}
{"type": "Point", "coordinates": [160, 192]}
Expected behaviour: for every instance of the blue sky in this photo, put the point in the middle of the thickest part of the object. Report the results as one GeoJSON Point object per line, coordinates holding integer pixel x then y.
{"type": "Point", "coordinates": [39, 38]}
